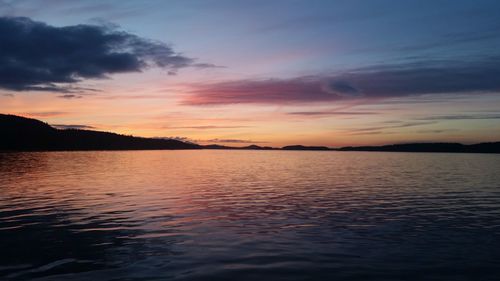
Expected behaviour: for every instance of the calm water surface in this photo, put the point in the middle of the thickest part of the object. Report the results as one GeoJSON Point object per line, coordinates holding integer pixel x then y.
{"type": "Point", "coordinates": [249, 215]}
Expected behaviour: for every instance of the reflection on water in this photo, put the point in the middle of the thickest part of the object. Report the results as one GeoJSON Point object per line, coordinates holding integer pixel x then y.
{"type": "Point", "coordinates": [249, 215]}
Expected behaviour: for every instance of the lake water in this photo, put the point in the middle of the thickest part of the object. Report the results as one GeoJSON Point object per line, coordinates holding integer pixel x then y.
{"type": "Point", "coordinates": [249, 215]}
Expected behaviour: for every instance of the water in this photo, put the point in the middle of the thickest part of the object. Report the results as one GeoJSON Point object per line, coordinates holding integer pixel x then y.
{"type": "Point", "coordinates": [249, 215]}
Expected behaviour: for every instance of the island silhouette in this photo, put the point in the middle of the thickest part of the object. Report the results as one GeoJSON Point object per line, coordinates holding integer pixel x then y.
{"type": "Point", "coordinates": [27, 134]}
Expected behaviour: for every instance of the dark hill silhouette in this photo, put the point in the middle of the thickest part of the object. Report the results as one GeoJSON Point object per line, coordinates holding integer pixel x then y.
{"type": "Point", "coordinates": [25, 134]}
{"type": "Point", "coordinates": [302, 147]}
{"type": "Point", "coordinates": [256, 147]}
{"type": "Point", "coordinates": [216, 146]}
{"type": "Point", "coordinates": [490, 147]}
{"type": "Point", "coordinates": [249, 147]}
{"type": "Point", "coordinates": [486, 147]}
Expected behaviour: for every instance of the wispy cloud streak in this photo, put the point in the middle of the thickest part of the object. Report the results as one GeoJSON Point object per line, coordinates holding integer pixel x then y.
{"type": "Point", "coordinates": [333, 113]}
{"type": "Point", "coordinates": [230, 141]}
{"type": "Point", "coordinates": [206, 127]}
{"type": "Point", "coordinates": [380, 129]}
{"type": "Point", "coordinates": [72, 126]}
{"type": "Point", "coordinates": [461, 117]}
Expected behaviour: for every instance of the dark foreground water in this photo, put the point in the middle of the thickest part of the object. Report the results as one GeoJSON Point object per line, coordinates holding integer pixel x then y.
{"type": "Point", "coordinates": [249, 215]}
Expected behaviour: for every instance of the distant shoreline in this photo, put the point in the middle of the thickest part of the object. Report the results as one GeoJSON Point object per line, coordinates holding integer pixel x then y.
{"type": "Point", "coordinates": [26, 134]}
{"type": "Point", "coordinates": [242, 149]}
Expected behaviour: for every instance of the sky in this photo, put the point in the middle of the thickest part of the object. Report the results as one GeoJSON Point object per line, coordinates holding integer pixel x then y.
{"type": "Point", "coordinates": [271, 73]}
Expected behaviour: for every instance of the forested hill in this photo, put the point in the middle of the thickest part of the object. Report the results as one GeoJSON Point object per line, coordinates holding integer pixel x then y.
{"type": "Point", "coordinates": [25, 134]}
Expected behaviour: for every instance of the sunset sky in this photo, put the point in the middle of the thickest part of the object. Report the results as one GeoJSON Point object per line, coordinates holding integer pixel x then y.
{"type": "Point", "coordinates": [271, 73]}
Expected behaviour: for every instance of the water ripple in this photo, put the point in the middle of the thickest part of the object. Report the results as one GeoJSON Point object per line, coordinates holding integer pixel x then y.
{"type": "Point", "coordinates": [247, 215]}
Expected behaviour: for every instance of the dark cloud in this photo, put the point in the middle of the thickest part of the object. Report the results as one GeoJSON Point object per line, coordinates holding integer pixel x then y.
{"type": "Point", "coordinates": [376, 82]}
{"type": "Point", "coordinates": [340, 88]}
{"type": "Point", "coordinates": [439, 77]}
{"type": "Point", "coordinates": [70, 96]}
{"type": "Point", "coordinates": [35, 56]}
{"type": "Point", "coordinates": [78, 127]}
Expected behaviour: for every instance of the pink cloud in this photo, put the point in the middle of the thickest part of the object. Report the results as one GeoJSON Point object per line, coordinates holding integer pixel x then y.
{"type": "Point", "coordinates": [366, 84]}
{"type": "Point", "coordinates": [273, 91]}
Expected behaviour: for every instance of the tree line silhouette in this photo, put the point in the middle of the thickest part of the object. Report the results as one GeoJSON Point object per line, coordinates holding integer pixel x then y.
{"type": "Point", "coordinates": [26, 134]}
